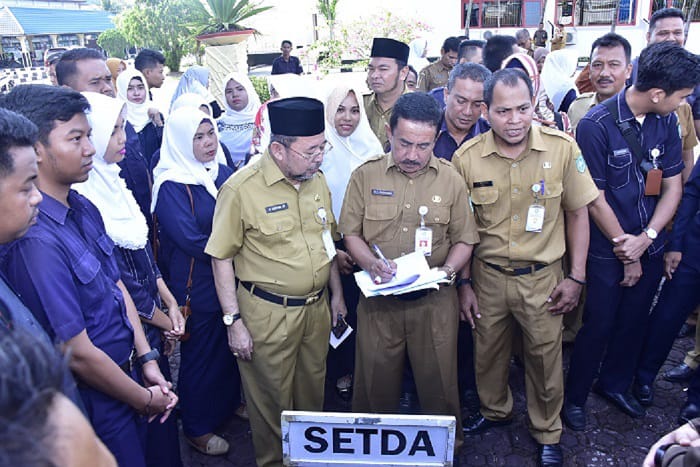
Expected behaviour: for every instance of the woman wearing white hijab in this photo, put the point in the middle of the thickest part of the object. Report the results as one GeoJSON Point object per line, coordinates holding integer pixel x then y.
{"type": "Point", "coordinates": [197, 102]}
{"type": "Point", "coordinates": [196, 80]}
{"type": "Point", "coordinates": [353, 142]}
{"type": "Point", "coordinates": [558, 78]}
{"type": "Point", "coordinates": [187, 178]}
{"type": "Point", "coordinates": [236, 125]}
{"type": "Point", "coordinates": [417, 50]}
{"type": "Point", "coordinates": [126, 226]}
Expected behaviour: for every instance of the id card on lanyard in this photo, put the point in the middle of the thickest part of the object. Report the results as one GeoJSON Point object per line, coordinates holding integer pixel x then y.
{"type": "Point", "coordinates": [535, 213]}
{"type": "Point", "coordinates": [326, 235]}
{"type": "Point", "coordinates": [424, 235]}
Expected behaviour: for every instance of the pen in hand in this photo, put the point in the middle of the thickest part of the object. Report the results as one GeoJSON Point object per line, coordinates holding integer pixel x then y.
{"type": "Point", "coordinates": [383, 258]}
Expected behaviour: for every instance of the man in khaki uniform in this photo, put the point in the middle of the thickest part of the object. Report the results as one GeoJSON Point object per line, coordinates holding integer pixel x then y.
{"type": "Point", "coordinates": [386, 73]}
{"type": "Point", "coordinates": [526, 185]}
{"type": "Point", "coordinates": [559, 38]}
{"type": "Point", "coordinates": [610, 67]}
{"type": "Point", "coordinates": [273, 226]}
{"type": "Point", "coordinates": [436, 74]}
{"type": "Point", "coordinates": [382, 205]}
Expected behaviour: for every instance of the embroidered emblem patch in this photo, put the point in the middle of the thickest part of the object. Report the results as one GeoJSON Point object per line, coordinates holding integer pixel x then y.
{"type": "Point", "coordinates": [580, 164]}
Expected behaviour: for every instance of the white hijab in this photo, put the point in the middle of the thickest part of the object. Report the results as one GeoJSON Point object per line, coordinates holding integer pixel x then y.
{"type": "Point", "coordinates": [416, 51]}
{"type": "Point", "coordinates": [196, 80]}
{"type": "Point", "coordinates": [558, 75]}
{"type": "Point", "coordinates": [136, 114]}
{"type": "Point", "coordinates": [348, 152]}
{"type": "Point", "coordinates": [177, 162]}
{"type": "Point", "coordinates": [191, 99]}
{"type": "Point", "coordinates": [124, 221]}
{"type": "Point", "coordinates": [236, 127]}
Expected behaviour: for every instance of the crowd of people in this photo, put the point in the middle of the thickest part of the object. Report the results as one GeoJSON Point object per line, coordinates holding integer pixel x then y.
{"type": "Point", "coordinates": [230, 229]}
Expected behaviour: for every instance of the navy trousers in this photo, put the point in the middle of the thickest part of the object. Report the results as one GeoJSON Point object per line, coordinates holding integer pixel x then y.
{"type": "Point", "coordinates": [614, 320]}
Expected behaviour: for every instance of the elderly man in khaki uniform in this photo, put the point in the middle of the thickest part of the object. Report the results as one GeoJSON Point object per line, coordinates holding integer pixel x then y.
{"type": "Point", "coordinates": [386, 73]}
{"type": "Point", "coordinates": [273, 226]}
{"type": "Point", "coordinates": [436, 74]}
{"type": "Point", "coordinates": [385, 201]}
{"type": "Point", "coordinates": [526, 184]}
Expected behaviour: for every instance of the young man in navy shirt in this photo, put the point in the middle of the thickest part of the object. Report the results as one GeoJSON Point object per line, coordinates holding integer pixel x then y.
{"type": "Point", "coordinates": [65, 271]}
{"type": "Point", "coordinates": [640, 187]}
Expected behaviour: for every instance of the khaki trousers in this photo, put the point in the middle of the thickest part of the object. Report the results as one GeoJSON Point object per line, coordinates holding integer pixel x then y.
{"type": "Point", "coordinates": [288, 368]}
{"type": "Point", "coordinates": [426, 329]}
{"type": "Point", "coordinates": [506, 302]}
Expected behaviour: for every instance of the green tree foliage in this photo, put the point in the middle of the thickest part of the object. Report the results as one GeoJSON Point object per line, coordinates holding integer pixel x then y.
{"type": "Point", "coordinates": [327, 10]}
{"type": "Point", "coordinates": [113, 42]}
{"type": "Point", "coordinates": [159, 24]}
{"type": "Point", "coordinates": [225, 15]}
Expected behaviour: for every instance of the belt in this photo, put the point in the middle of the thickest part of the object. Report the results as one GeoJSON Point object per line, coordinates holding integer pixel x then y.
{"type": "Point", "coordinates": [516, 271]}
{"type": "Point", "coordinates": [281, 299]}
{"type": "Point", "coordinates": [415, 295]}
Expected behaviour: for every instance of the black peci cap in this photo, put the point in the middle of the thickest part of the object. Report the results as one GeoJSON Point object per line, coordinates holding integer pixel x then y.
{"type": "Point", "coordinates": [389, 48]}
{"type": "Point", "coordinates": [296, 116]}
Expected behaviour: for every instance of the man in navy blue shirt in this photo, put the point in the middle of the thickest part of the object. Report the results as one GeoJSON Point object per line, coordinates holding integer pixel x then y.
{"type": "Point", "coordinates": [464, 103]}
{"type": "Point", "coordinates": [65, 271]}
{"type": "Point", "coordinates": [639, 191]}
{"type": "Point", "coordinates": [286, 63]}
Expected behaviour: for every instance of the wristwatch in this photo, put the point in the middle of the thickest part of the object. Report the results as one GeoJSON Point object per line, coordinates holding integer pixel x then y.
{"type": "Point", "coordinates": [148, 356]}
{"type": "Point", "coordinates": [230, 318]}
{"type": "Point", "coordinates": [651, 233]}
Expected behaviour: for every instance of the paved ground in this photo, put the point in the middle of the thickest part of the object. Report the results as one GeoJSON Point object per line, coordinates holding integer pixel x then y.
{"type": "Point", "coordinates": [612, 438]}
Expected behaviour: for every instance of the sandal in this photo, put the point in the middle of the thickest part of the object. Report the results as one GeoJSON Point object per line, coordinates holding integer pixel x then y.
{"type": "Point", "coordinates": [216, 446]}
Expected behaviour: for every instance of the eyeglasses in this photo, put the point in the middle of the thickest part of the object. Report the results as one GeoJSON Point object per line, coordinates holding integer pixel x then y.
{"type": "Point", "coordinates": [322, 151]}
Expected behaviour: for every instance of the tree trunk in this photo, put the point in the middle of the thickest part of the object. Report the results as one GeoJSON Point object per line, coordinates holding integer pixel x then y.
{"type": "Point", "coordinates": [468, 19]}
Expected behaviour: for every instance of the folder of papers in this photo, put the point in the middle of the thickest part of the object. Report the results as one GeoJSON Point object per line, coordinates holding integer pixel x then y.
{"type": "Point", "coordinates": [412, 274]}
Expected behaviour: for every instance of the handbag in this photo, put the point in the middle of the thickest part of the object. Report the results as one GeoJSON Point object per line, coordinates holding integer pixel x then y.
{"type": "Point", "coordinates": [186, 309]}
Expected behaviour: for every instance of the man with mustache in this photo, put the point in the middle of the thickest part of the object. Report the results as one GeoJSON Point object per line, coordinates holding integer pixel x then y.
{"type": "Point", "coordinates": [388, 199]}
{"type": "Point", "coordinates": [273, 231]}
{"type": "Point", "coordinates": [610, 67]}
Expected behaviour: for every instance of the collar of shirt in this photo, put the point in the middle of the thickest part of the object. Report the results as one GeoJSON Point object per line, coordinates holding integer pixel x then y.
{"type": "Point", "coordinates": [624, 110]}
{"type": "Point", "coordinates": [534, 143]}
{"type": "Point", "coordinates": [432, 163]}
{"type": "Point", "coordinates": [54, 209]}
{"type": "Point", "coordinates": [271, 172]}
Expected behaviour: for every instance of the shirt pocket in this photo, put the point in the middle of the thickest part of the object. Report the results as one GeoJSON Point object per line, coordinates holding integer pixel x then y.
{"type": "Point", "coordinates": [91, 287]}
{"type": "Point", "coordinates": [552, 199]}
{"type": "Point", "coordinates": [438, 219]}
{"type": "Point", "coordinates": [380, 222]}
{"type": "Point", "coordinates": [487, 210]}
{"type": "Point", "coordinates": [278, 237]}
{"type": "Point", "coordinates": [619, 169]}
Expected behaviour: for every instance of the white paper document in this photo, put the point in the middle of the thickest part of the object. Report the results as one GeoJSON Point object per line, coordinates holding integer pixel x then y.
{"type": "Point", "coordinates": [412, 273]}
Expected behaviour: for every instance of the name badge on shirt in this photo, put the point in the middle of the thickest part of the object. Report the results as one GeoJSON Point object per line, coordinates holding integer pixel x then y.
{"type": "Point", "coordinates": [276, 207]}
{"type": "Point", "coordinates": [326, 235]}
{"type": "Point", "coordinates": [535, 213]}
{"type": "Point", "coordinates": [378, 192]}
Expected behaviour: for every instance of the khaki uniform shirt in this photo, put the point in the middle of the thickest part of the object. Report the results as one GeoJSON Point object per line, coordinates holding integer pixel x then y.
{"type": "Point", "coordinates": [378, 119]}
{"type": "Point", "coordinates": [558, 40]}
{"type": "Point", "coordinates": [272, 230]}
{"type": "Point", "coordinates": [433, 76]}
{"type": "Point", "coordinates": [685, 119]}
{"type": "Point", "coordinates": [501, 193]}
{"type": "Point", "coordinates": [580, 107]}
{"type": "Point", "coordinates": [381, 205]}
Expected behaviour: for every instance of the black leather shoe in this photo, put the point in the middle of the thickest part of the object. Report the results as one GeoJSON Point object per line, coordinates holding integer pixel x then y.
{"type": "Point", "coordinates": [688, 412]}
{"type": "Point", "coordinates": [550, 455]}
{"type": "Point", "coordinates": [626, 403]}
{"type": "Point", "coordinates": [479, 424]}
{"type": "Point", "coordinates": [644, 394]}
{"type": "Point", "coordinates": [470, 401]}
{"type": "Point", "coordinates": [574, 416]}
{"type": "Point", "coordinates": [679, 374]}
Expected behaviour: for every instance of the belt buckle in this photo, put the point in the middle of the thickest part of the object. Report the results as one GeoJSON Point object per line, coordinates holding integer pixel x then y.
{"type": "Point", "coordinates": [507, 270]}
{"type": "Point", "coordinates": [312, 299]}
